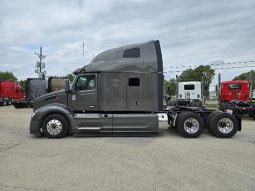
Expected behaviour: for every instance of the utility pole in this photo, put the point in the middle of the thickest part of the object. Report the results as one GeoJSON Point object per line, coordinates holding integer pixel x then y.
{"type": "Point", "coordinates": [40, 65]}
{"type": "Point", "coordinates": [177, 87]}
{"type": "Point", "coordinates": [203, 84]}
{"type": "Point", "coordinates": [219, 82]}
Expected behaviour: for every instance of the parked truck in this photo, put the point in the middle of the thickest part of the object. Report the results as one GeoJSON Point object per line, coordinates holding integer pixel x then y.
{"type": "Point", "coordinates": [235, 95]}
{"type": "Point", "coordinates": [36, 87]}
{"type": "Point", "coordinates": [10, 91]}
{"type": "Point", "coordinates": [121, 92]}
{"type": "Point", "coordinates": [188, 94]}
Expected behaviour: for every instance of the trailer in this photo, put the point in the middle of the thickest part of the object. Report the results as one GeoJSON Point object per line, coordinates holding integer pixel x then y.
{"type": "Point", "coordinates": [36, 87]}
{"type": "Point", "coordinates": [56, 83]}
{"type": "Point", "coordinates": [120, 92]}
{"type": "Point", "coordinates": [10, 91]}
{"type": "Point", "coordinates": [235, 96]}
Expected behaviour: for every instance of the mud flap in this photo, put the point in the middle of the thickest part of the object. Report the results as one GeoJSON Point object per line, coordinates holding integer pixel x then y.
{"type": "Point", "coordinates": [238, 118]}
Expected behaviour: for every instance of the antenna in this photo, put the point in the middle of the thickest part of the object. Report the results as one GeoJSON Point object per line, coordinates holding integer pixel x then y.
{"type": "Point", "coordinates": [83, 58]}
{"type": "Point", "coordinates": [40, 65]}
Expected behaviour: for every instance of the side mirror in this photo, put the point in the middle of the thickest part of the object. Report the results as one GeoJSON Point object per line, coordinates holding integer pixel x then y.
{"type": "Point", "coordinates": [67, 86]}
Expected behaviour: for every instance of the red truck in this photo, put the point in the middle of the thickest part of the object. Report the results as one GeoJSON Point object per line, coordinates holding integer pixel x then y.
{"type": "Point", "coordinates": [235, 97]}
{"type": "Point", "coordinates": [9, 92]}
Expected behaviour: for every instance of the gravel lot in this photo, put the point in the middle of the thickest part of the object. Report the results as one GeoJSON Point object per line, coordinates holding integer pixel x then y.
{"type": "Point", "coordinates": [166, 162]}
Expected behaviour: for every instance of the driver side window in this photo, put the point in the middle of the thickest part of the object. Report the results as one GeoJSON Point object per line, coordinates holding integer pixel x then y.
{"type": "Point", "coordinates": [85, 82]}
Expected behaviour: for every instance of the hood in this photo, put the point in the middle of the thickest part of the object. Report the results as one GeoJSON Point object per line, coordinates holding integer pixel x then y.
{"type": "Point", "coordinates": [51, 94]}
{"type": "Point", "coordinates": [50, 98]}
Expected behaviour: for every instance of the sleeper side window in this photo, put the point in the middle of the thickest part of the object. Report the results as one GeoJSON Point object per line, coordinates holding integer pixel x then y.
{"type": "Point", "coordinates": [134, 82]}
{"type": "Point", "coordinates": [86, 82]}
{"type": "Point", "coordinates": [132, 53]}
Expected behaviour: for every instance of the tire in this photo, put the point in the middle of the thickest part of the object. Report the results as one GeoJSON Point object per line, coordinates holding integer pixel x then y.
{"type": "Point", "coordinates": [9, 102]}
{"type": "Point", "coordinates": [178, 117]}
{"type": "Point", "coordinates": [209, 118]}
{"type": "Point", "coordinates": [196, 104]}
{"type": "Point", "coordinates": [55, 126]}
{"type": "Point", "coordinates": [223, 125]}
{"type": "Point", "coordinates": [4, 103]}
{"type": "Point", "coordinates": [17, 106]}
{"type": "Point", "coordinates": [172, 103]}
{"type": "Point", "coordinates": [190, 125]}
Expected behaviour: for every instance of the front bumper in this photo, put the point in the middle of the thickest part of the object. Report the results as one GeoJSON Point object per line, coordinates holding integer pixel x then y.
{"type": "Point", "coordinates": [35, 127]}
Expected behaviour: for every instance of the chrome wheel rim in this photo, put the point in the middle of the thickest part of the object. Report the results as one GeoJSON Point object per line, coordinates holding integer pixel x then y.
{"type": "Point", "coordinates": [54, 127]}
{"type": "Point", "coordinates": [225, 125]}
{"type": "Point", "coordinates": [191, 125]}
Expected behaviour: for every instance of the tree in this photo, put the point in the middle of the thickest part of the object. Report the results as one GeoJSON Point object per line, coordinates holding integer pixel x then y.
{"type": "Point", "coordinates": [7, 76]}
{"type": "Point", "coordinates": [170, 86]}
{"type": "Point", "coordinates": [245, 76]}
{"type": "Point", "coordinates": [23, 84]}
{"type": "Point", "coordinates": [195, 75]}
{"type": "Point", "coordinates": [70, 77]}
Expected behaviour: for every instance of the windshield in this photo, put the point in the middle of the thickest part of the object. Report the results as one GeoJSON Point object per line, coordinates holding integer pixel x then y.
{"type": "Point", "coordinates": [234, 86]}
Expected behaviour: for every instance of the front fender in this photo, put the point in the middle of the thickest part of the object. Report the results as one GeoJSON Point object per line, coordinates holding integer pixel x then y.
{"type": "Point", "coordinates": [42, 112]}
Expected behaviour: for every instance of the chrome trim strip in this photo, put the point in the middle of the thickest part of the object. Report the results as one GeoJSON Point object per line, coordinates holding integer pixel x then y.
{"type": "Point", "coordinates": [89, 128]}
{"type": "Point", "coordinates": [86, 116]}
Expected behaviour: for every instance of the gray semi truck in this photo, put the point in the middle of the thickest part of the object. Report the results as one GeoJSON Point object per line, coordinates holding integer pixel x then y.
{"type": "Point", "coordinates": [121, 92]}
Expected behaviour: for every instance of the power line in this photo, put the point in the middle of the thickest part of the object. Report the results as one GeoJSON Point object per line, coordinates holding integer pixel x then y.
{"type": "Point", "coordinates": [212, 64]}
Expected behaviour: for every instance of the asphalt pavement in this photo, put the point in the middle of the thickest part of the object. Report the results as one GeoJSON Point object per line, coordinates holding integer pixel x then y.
{"type": "Point", "coordinates": [165, 162]}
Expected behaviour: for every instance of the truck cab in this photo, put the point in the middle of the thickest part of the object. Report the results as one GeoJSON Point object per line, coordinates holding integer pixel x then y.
{"type": "Point", "coordinates": [189, 90]}
{"type": "Point", "coordinates": [188, 94]}
{"type": "Point", "coordinates": [10, 91]}
{"type": "Point", "coordinates": [235, 96]}
{"type": "Point", "coordinates": [119, 91]}
{"type": "Point", "coordinates": [234, 90]}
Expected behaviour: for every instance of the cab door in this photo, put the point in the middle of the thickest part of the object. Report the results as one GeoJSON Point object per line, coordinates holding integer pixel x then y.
{"type": "Point", "coordinates": [83, 96]}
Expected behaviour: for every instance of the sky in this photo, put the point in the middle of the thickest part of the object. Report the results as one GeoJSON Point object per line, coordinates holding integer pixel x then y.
{"type": "Point", "coordinates": [191, 32]}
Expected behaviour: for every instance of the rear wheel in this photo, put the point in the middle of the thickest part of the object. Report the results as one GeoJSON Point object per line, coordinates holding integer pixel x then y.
{"type": "Point", "coordinates": [172, 103]}
{"type": "Point", "coordinates": [223, 125]}
{"type": "Point", "coordinates": [55, 126]}
{"type": "Point", "coordinates": [196, 103]}
{"type": "Point", "coordinates": [4, 103]}
{"type": "Point", "coordinates": [190, 125]}
{"type": "Point", "coordinates": [209, 118]}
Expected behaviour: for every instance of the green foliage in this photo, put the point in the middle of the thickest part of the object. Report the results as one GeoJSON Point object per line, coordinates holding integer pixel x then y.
{"type": "Point", "coordinates": [70, 77]}
{"type": "Point", "coordinates": [195, 75]}
{"type": "Point", "coordinates": [245, 76]}
{"type": "Point", "coordinates": [23, 84]}
{"type": "Point", "coordinates": [7, 76]}
{"type": "Point", "coordinates": [170, 86]}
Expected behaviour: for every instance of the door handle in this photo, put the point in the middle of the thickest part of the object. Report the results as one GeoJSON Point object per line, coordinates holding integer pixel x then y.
{"type": "Point", "coordinates": [92, 106]}
{"type": "Point", "coordinates": [105, 115]}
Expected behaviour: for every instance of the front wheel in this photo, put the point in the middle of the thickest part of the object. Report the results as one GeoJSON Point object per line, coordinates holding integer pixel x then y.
{"type": "Point", "coordinates": [223, 125]}
{"type": "Point", "coordinates": [190, 125]}
{"type": "Point", "coordinates": [55, 126]}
